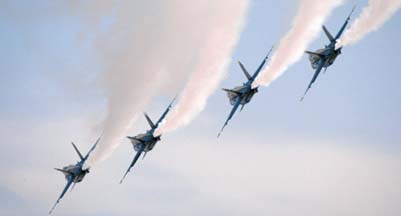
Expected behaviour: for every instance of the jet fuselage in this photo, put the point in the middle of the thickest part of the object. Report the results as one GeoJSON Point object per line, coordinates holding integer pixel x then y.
{"type": "Point", "coordinates": [146, 141]}
{"type": "Point", "coordinates": [76, 172]}
{"type": "Point", "coordinates": [244, 93]}
{"type": "Point", "coordinates": [328, 55]}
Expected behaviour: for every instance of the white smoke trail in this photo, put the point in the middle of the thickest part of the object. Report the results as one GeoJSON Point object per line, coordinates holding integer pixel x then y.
{"type": "Point", "coordinates": [306, 26]}
{"type": "Point", "coordinates": [371, 19]}
{"type": "Point", "coordinates": [211, 67]}
{"type": "Point", "coordinates": [152, 46]}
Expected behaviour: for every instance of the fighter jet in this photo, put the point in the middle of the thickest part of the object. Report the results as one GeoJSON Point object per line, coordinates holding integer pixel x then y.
{"type": "Point", "coordinates": [145, 142]}
{"type": "Point", "coordinates": [242, 95]}
{"type": "Point", "coordinates": [323, 58]}
{"type": "Point", "coordinates": [74, 173]}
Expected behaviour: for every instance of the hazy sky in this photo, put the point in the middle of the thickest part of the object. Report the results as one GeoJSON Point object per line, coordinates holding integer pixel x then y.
{"type": "Point", "coordinates": [336, 153]}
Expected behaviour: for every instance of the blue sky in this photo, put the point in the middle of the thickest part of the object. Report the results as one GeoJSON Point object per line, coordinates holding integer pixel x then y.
{"type": "Point", "coordinates": [337, 152]}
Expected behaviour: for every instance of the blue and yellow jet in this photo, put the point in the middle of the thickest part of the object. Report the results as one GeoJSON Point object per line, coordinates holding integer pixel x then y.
{"type": "Point", "coordinates": [242, 95]}
{"type": "Point", "coordinates": [323, 58]}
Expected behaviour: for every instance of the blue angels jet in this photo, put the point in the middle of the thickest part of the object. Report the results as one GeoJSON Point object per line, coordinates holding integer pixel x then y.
{"type": "Point", "coordinates": [74, 173]}
{"type": "Point", "coordinates": [242, 95]}
{"type": "Point", "coordinates": [325, 57]}
{"type": "Point", "coordinates": [145, 142]}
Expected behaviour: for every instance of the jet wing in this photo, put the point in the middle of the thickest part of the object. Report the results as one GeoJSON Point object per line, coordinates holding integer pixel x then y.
{"type": "Point", "coordinates": [344, 25]}
{"type": "Point", "coordinates": [138, 154]}
{"type": "Point", "coordinates": [69, 182]}
{"type": "Point", "coordinates": [317, 72]}
{"type": "Point", "coordinates": [261, 65]}
{"type": "Point", "coordinates": [90, 151]}
{"type": "Point", "coordinates": [164, 114]}
{"type": "Point", "coordinates": [235, 107]}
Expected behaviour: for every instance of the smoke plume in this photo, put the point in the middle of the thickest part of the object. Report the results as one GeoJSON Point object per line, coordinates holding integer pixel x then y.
{"type": "Point", "coordinates": [211, 65]}
{"type": "Point", "coordinates": [152, 46]}
{"type": "Point", "coordinates": [371, 19]}
{"type": "Point", "coordinates": [305, 27]}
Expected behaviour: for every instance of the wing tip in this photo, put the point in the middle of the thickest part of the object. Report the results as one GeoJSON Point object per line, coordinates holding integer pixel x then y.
{"type": "Point", "coordinates": [352, 11]}
{"type": "Point", "coordinates": [222, 129]}
{"type": "Point", "coordinates": [122, 179]}
{"type": "Point", "coordinates": [302, 98]}
{"type": "Point", "coordinates": [54, 206]}
{"type": "Point", "coordinates": [271, 50]}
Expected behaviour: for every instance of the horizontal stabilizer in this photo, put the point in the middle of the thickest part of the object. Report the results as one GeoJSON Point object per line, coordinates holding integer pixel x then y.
{"type": "Point", "coordinates": [134, 138]}
{"type": "Point", "coordinates": [63, 171]}
{"type": "Point", "coordinates": [313, 53]}
{"type": "Point", "coordinates": [232, 91]}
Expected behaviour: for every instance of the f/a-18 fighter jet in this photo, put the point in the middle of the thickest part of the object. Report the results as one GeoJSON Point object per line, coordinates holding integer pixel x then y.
{"type": "Point", "coordinates": [74, 173]}
{"type": "Point", "coordinates": [242, 95]}
{"type": "Point", "coordinates": [145, 142]}
{"type": "Point", "coordinates": [323, 58]}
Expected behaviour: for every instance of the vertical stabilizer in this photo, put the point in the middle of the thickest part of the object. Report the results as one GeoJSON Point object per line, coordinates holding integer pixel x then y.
{"type": "Point", "coordinates": [149, 121]}
{"type": "Point", "coordinates": [248, 76]}
{"type": "Point", "coordinates": [76, 149]}
{"type": "Point", "coordinates": [329, 36]}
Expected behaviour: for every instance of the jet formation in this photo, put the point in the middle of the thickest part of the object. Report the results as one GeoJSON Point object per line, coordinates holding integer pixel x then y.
{"type": "Point", "coordinates": [241, 95]}
{"type": "Point", "coordinates": [238, 96]}
{"type": "Point", "coordinates": [325, 57]}
{"type": "Point", "coordinates": [142, 143]}
{"type": "Point", "coordinates": [74, 173]}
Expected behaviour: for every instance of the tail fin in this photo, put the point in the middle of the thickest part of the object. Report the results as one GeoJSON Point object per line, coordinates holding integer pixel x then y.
{"type": "Point", "coordinates": [331, 38]}
{"type": "Point", "coordinates": [149, 121]}
{"type": "Point", "coordinates": [76, 149]}
{"type": "Point", "coordinates": [248, 76]}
